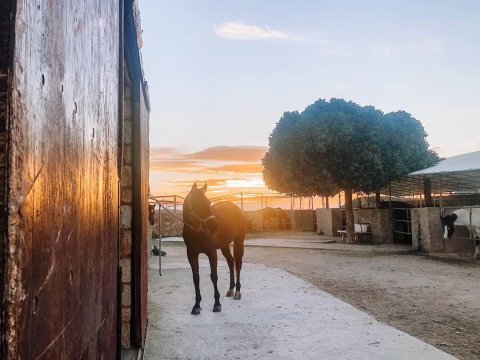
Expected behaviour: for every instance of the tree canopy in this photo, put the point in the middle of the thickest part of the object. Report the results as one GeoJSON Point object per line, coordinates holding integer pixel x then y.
{"type": "Point", "coordinates": [338, 145]}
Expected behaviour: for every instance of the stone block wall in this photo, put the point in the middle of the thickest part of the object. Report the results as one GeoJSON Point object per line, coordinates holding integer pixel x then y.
{"type": "Point", "coordinates": [170, 225]}
{"type": "Point", "coordinates": [427, 234]}
{"type": "Point", "coordinates": [380, 223]}
{"type": "Point", "coordinates": [329, 221]}
{"type": "Point", "coordinates": [302, 220]}
{"type": "Point", "coordinates": [254, 221]}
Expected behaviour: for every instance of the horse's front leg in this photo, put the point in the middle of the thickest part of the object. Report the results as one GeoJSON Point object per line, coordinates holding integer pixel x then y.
{"type": "Point", "coordinates": [212, 257]}
{"type": "Point", "coordinates": [193, 260]}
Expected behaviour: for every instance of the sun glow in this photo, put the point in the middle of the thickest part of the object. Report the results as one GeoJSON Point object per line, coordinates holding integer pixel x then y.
{"type": "Point", "coordinates": [226, 170]}
{"type": "Point", "coordinates": [245, 183]}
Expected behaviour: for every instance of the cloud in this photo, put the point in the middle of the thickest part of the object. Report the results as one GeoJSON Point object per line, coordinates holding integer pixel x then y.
{"type": "Point", "coordinates": [213, 160]}
{"type": "Point", "coordinates": [230, 153]}
{"type": "Point", "coordinates": [236, 30]}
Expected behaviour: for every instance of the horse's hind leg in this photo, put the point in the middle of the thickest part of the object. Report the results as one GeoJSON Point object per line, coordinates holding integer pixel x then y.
{"type": "Point", "coordinates": [238, 255]}
{"type": "Point", "coordinates": [193, 260]}
{"type": "Point", "coordinates": [212, 257]}
{"type": "Point", "coordinates": [477, 248]}
{"type": "Point", "coordinates": [228, 255]}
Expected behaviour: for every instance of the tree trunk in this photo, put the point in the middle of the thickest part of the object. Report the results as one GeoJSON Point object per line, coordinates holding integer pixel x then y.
{"type": "Point", "coordinates": [427, 192]}
{"type": "Point", "coordinates": [349, 214]}
{"type": "Point", "coordinates": [378, 199]}
{"type": "Point", "coordinates": [326, 202]}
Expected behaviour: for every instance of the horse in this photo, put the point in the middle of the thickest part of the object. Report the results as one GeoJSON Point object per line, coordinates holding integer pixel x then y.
{"type": "Point", "coordinates": [151, 214]}
{"type": "Point", "coordinates": [276, 215]}
{"type": "Point", "coordinates": [466, 218]}
{"type": "Point", "coordinates": [207, 228]}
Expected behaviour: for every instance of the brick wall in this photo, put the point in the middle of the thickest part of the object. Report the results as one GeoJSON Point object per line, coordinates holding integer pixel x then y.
{"type": "Point", "coordinates": [126, 222]}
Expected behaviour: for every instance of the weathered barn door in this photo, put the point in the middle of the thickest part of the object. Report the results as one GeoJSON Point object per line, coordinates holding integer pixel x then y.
{"type": "Point", "coordinates": [6, 10]}
{"type": "Point", "coordinates": [63, 180]}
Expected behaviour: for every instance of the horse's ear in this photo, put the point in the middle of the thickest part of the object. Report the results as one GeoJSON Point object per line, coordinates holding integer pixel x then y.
{"type": "Point", "coordinates": [194, 186]}
{"type": "Point", "coordinates": [204, 188]}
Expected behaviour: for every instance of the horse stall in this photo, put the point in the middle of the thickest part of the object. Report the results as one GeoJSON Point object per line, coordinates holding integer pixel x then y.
{"type": "Point", "coordinates": [451, 185]}
{"type": "Point", "coordinates": [62, 173]}
{"type": "Point", "coordinates": [372, 225]}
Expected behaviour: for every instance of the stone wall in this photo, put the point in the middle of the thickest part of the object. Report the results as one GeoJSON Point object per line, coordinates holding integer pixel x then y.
{"type": "Point", "coordinates": [170, 224]}
{"type": "Point", "coordinates": [427, 234]}
{"type": "Point", "coordinates": [329, 221]}
{"type": "Point", "coordinates": [254, 221]}
{"type": "Point", "coordinates": [302, 220]}
{"type": "Point", "coordinates": [380, 223]}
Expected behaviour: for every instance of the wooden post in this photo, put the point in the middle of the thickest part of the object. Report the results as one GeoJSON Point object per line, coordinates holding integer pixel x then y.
{"type": "Point", "coordinates": [241, 200]}
{"type": "Point", "coordinates": [174, 204]}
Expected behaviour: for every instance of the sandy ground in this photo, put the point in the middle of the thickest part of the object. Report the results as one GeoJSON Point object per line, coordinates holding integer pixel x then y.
{"type": "Point", "coordinates": [280, 316]}
{"type": "Point", "coordinates": [434, 298]}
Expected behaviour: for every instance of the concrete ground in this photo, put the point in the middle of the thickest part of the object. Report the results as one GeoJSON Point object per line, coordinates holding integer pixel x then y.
{"type": "Point", "coordinates": [280, 316]}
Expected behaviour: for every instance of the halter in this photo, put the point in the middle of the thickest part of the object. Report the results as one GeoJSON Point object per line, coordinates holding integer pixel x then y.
{"type": "Point", "coordinates": [202, 222]}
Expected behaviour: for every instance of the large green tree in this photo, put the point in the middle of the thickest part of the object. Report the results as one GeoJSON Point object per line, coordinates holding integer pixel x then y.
{"type": "Point", "coordinates": [337, 146]}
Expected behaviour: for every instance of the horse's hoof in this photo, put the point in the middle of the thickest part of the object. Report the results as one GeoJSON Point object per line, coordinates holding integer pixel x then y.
{"type": "Point", "coordinates": [230, 293]}
{"type": "Point", "coordinates": [196, 310]}
{"type": "Point", "coordinates": [217, 308]}
{"type": "Point", "coordinates": [237, 296]}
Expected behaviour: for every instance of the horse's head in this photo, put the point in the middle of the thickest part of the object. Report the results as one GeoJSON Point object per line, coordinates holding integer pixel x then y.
{"type": "Point", "coordinates": [197, 211]}
{"type": "Point", "coordinates": [151, 214]}
{"type": "Point", "coordinates": [448, 225]}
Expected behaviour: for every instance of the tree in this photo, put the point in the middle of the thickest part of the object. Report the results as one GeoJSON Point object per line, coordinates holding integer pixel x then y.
{"type": "Point", "coordinates": [338, 145]}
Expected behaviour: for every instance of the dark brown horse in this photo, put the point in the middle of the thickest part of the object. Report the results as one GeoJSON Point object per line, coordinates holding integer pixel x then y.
{"type": "Point", "coordinates": [208, 228]}
{"type": "Point", "coordinates": [151, 214]}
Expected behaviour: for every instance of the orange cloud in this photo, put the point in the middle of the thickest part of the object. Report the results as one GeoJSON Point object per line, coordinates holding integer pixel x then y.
{"type": "Point", "coordinates": [234, 168]}
{"type": "Point", "coordinates": [230, 153]}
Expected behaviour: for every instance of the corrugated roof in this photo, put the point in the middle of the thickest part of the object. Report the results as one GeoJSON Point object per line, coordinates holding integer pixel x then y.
{"type": "Point", "coordinates": [459, 163]}
{"type": "Point", "coordinates": [455, 174]}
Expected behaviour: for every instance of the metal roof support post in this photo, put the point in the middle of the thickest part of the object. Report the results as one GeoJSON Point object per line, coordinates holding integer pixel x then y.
{"type": "Point", "coordinates": [159, 238]}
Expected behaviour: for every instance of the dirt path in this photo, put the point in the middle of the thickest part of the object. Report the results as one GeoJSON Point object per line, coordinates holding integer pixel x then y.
{"type": "Point", "coordinates": [434, 299]}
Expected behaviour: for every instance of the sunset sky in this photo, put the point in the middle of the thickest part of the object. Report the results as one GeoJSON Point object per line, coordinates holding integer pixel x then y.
{"type": "Point", "coordinates": [221, 73]}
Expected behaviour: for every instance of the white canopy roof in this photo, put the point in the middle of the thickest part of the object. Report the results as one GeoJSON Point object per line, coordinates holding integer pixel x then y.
{"type": "Point", "coordinates": [455, 174]}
